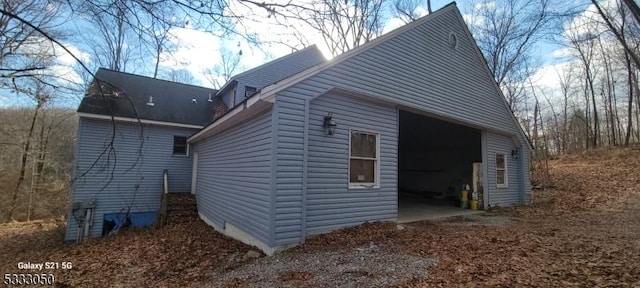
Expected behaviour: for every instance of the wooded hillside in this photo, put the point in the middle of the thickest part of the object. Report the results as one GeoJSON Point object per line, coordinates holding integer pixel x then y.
{"type": "Point", "coordinates": [36, 158]}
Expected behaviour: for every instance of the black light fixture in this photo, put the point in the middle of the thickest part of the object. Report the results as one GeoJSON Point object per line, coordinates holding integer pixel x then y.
{"type": "Point", "coordinates": [515, 153]}
{"type": "Point", "coordinates": [329, 125]}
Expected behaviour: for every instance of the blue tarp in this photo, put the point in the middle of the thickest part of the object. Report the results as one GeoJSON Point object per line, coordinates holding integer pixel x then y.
{"type": "Point", "coordinates": [135, 219]}
{"type": "Point", "coordinates": [142, 219]}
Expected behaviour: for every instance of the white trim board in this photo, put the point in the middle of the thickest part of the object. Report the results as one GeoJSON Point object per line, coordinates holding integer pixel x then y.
{"type": "Point", "coordinates": [133, 120]}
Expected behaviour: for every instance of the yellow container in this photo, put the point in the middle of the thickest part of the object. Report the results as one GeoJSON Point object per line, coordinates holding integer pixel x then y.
{"type": "Point", "coordinates": [464, 195]}
{"type": "Point", "coordinates": [473, 204]}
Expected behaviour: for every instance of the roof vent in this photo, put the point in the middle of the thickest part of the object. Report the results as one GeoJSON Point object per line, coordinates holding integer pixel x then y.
{"type": "Point", "coordinates": [150, 102]}
{"type": "Point", "coordinates": [210, 100]}
{"type": "Point", "coordinates": [194, 101]}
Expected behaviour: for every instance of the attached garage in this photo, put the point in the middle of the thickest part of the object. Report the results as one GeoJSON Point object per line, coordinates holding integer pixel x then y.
{"type": "Point", "coordinates": [435, 160]}
{"type": "Point", "coordinates": [405, 119]}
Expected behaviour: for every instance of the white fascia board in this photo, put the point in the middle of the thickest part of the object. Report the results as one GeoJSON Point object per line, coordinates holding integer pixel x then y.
{"type": "Point", "coordinates": [232, 118]}
{"type": "Point", "coordinates": [134, 120]}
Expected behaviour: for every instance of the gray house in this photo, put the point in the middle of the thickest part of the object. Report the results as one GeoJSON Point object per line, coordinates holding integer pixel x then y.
{"type": "Point", "coordinates": [320, 145]}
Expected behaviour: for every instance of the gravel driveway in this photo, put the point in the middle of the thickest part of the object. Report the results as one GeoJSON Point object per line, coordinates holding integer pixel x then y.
{"type": "Point", "coordinates": [365, 266]}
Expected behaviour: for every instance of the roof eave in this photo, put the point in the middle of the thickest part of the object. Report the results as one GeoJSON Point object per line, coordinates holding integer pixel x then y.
{"type": "Point", "coordinates": [252, 106]}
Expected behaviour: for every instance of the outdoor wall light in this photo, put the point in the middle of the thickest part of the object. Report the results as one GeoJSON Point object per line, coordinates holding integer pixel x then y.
{"type": "Point", "coordinates": [515, 153]}
{"type": "Point", "coordinates": [329, 125]}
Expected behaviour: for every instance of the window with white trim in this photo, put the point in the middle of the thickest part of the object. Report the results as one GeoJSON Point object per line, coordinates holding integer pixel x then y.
{"type": "Point", "coordinates": [364, 159]}
{"type": "Point", "coordinates": [180, 146]}
{"type": "Point", "coordinates": [501, 170]}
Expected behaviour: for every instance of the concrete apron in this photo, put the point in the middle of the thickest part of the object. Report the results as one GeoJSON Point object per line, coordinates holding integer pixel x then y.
{"type": "Point", "coordinates": [418, 211]}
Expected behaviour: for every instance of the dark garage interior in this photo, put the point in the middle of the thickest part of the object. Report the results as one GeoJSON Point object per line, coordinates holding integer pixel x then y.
{"type": "Point", "coordinates": [435, 160]}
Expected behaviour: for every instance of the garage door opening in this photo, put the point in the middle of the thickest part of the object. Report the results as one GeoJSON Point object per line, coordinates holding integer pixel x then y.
{"type": "Point", "coordinates": [435, 160]}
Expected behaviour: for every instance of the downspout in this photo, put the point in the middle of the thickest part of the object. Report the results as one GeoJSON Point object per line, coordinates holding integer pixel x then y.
{"type": "Point", "coordinates": [305, 151]}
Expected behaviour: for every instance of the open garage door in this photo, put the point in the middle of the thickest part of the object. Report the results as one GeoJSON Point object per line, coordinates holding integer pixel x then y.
{"type": "Point", "coordinates": [435, 159]}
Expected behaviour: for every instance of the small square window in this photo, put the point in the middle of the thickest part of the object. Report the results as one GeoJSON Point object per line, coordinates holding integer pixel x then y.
{"type": "Point", "coordinates": [180, 146]}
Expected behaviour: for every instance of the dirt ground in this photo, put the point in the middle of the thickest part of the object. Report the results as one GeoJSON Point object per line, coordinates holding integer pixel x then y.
{"type": "Point", "coordinates": [582, 233]}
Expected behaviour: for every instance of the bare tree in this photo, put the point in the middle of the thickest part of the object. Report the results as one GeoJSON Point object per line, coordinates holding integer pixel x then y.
{"type": "Point", "coordinates": [20, 44]}
{"type": "Point", "coordinates": [180, 76]}
{"type": "Point", "coordinates": [406, 10]}
{"type": "Point", "coordinates": [228, 65]}
{"type": "Point", "coordinates": [40, 96]}
{"type": "Point", "coordinates": [608, 19]}
{"type": "Point", "coordinates": [583, 43]}
{"type": "Point", "coordinates": [159, 41]}
{"type": "Point", "coordinates": [343, 25]}
{"type": "Point", "coordinates": [111, 43]}
{"type": "Point", "coordinates": [506, 32]}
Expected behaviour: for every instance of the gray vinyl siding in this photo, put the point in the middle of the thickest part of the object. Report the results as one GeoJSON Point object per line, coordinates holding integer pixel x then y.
{"type": "Point", "coordinates": [289, 163]}
{"type": "Point", "coordinates": [416, 69]}
{"type": "Point", "coordinates": [277, 70]}
{"type": "Point", "coordinates": [233, 182]}
{"type": "Point", "coordinates": [330, 204]}
{"type": "Point", "coordinates": [501, 144]}
{"type": "Point", "coordinates": [229, 96]}
{"type": "Point", "coordinates": [114, 178]}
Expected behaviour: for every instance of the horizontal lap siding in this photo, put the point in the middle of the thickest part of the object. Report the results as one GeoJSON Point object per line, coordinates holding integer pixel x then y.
{"type": "Point", "coordinates": [113, 179]}
{"type": "Point", "coordinates": [234, 173]}
{"type": "Point", "coordinates": [500, 144]}
{"type": "Point", "coordinates": [289, 165]}
{"type": "Point", "coordinates": [330, 204]}
{"type": "Point", "coordinates": [417, 69]}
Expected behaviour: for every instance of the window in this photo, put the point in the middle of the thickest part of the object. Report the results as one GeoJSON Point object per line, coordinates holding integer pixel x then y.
{"type": "Point", "coordinates": [180, 146]}
{"type": "Point", "coordinates": [364, 151]}
{"type": "Point", "coordinates": [501, 170]}
{"type": "Point", "coordinates": [249, 91]}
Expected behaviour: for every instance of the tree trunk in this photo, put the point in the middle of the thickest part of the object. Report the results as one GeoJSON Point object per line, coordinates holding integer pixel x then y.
{"type": "Point", "coordinates": [630, 80]}
{"type": "Point", "coordinates": [23, 164]}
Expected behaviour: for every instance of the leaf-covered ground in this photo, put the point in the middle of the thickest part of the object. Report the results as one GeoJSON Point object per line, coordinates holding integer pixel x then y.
{"type": "Point", "coordinates": [585, 232]}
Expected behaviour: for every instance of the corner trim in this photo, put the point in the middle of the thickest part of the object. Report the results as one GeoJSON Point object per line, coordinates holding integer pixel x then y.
{"type": "Point", "coordinates": [305, 170]}
{"type": "Point", "coordinates": [274, 175]}
{"type": "Point", "coordinates": [485, 168]}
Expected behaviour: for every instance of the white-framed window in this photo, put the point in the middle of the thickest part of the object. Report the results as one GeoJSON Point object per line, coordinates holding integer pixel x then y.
{"type": "Point", "coordinates": [364, 159]}
{"type": "Point", "coordinates": [180, 146]}
{"type": "Point", "coordinates": [501, 171]}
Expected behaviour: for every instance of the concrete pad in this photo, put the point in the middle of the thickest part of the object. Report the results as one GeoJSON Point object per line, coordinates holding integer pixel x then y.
{"type": "Point", "coordinates": [413, 210]}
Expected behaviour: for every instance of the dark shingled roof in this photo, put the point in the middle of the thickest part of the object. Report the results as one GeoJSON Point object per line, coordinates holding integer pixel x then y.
{"type": "Point", "coordinates": [173, 102]}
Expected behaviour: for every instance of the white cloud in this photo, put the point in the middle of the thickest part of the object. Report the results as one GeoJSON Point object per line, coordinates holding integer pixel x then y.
{"type": "Point", "coordinates": [196, 51]}
{"type": "Point", "coordinates": [64, 63]}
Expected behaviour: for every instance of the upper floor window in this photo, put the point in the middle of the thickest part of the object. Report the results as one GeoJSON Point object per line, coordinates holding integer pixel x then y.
{"type": "Point", "coordinates": [180, 147]}
{"type": "Point", "coordinates": [249, 91]}
{"type": "Point", "coordinates": [501, 171]}
{"type": "Point", "coordinates": [364, 159]}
